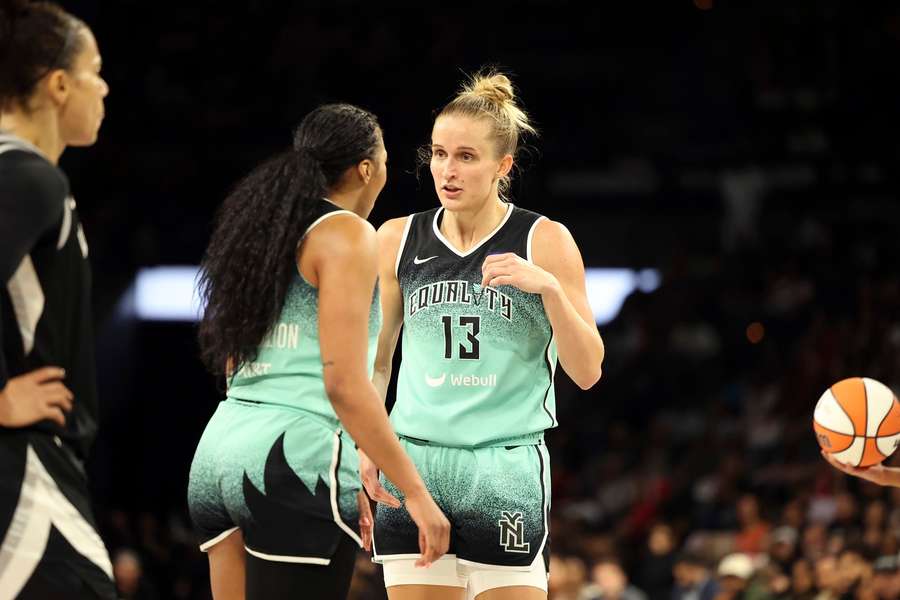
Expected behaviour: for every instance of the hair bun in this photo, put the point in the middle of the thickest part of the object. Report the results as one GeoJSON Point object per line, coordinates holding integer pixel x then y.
{"type": "Point", "coordinates": [492, 86]}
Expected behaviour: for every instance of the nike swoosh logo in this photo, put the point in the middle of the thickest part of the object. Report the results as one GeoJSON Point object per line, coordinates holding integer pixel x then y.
{"type": "Point", "coordinates": [436, 381]}
{"type": "Point", "coordinates": [419, 261]}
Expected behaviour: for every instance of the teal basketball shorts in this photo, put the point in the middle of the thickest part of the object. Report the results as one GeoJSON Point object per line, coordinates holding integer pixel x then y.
{"type": "Point", "coordinates": [286, 478]}
{"type": "Point", "coordinates": [497, 500]}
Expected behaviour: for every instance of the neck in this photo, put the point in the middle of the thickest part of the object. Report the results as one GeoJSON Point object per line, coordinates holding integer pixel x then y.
{"type": "Point", "coordinates": [350, 201]}
{"type": "Point", "coordinates": [39, 128]}
{"type": "Point", "coordinates": [466, 228]}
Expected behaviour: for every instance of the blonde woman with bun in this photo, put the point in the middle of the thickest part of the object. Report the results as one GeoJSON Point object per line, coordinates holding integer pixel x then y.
{"type": "Point", "coordinates": [490, 296]}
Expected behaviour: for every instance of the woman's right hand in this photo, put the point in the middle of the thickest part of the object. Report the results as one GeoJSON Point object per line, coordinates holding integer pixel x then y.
{"type": "Point", "coordinates": [434, 528]}
{"type": "Point", "coordinates": [368, 472]}
{"type": "Point", "coordinates": [877, 474]}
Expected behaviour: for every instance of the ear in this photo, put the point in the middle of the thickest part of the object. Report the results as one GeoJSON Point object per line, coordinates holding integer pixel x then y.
{"type": "Point", "coordinates": [57, 85]}
{"type": "Point", "coordinates": [506, 165]}
{"type": "Point", "coordinates": [366, 170]}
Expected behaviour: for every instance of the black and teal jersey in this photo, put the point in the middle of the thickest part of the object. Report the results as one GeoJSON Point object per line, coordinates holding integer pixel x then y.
{"type": "Point", "coordinates": [288, 369]}
{"type": "Point", "coordinates": [478, 363]}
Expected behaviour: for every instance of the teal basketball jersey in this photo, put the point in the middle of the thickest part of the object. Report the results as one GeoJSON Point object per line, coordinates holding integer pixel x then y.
{"type": "Point", "coordinates": [478, 363]}
{"type": "Point", "coordinates": [288, 369]}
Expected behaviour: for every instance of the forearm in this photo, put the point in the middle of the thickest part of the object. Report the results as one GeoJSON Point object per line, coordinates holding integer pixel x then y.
{"type": "Point", "coordinates": [891, 476]}
{"type": "Point", "coordinates": [381, 379]}
{"type": "Point", "coordinates": [365, 419]}
{"type": "Point", "coordinates": [579, 344]}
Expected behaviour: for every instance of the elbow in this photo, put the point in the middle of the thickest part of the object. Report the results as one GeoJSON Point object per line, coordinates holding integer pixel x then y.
{"type": "Point", "coordinates": [587, 380]}
{"type": "Point", "coordinates": [338, 390]}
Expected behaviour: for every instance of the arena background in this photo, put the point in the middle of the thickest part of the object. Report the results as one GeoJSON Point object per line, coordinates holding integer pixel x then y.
{"type": "Point", "coordinates": [746, 151]}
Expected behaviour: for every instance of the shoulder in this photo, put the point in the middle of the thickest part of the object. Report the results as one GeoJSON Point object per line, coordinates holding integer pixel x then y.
{"type": "Point", "coordinates": [553, 247]}
{"type": "Point", "coordinates": [24, 175]}
{"type": "Point", "coordinates": [548, 232]}
{"type": "Point", "coordinates": [343, 231]}
{"type": "Point", "coordinates": [391, 231]}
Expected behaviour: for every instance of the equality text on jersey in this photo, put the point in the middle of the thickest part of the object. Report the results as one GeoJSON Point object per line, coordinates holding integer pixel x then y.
{"type": "Point", "coordinates": [460, 292]}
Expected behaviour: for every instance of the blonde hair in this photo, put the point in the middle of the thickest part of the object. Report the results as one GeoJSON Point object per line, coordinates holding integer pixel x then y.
{"type": "Point", "coordinates": [489, 94]}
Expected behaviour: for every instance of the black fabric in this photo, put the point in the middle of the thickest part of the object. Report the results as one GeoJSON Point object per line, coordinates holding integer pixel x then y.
{"type": "Point", "coordinates": [62, 572]}
{"type": "Point", "coordinates": [422, 242]}
{"type": "Point", "coordinates": [269, 580]}
{"type": "Point", "coordinates": [39, 223]}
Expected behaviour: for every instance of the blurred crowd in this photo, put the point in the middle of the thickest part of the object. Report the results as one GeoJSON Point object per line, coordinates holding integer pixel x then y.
{"type": "Point", "coordinates": [691, 471]}
{"type": "Point", "coordinates": [746, 154]}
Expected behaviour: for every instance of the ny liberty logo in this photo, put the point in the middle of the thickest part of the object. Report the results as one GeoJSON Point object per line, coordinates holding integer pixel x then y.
{"type": "Point", "coordinates": [512, 532]}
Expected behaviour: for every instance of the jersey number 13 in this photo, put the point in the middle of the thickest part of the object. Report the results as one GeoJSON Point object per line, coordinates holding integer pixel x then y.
{"type": "Point", "coordinates": [472, 326]}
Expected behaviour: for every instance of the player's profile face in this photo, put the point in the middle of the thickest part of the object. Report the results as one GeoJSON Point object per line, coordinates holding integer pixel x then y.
{"type": "Point", "coordinates": [83, 111]}
{"type": "Point", "coordinates": [463, 162]}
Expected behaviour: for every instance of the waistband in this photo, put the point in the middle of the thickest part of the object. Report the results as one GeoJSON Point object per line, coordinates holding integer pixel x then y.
{"type": "Point", "coordinates": [327, 421]}
{"type": "Point", "coordinates": [531, 439]}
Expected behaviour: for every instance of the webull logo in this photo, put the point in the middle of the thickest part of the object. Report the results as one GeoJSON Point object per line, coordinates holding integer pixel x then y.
{"type": "Point", "coordinates": [461, 380]}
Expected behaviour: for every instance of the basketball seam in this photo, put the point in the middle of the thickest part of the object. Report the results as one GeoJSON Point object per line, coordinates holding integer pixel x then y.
{"type": "Point", "coordinates": [846, 414]}
{"type": "Point", "coordinates": [852, 438]}
{"type": "Point", "coordinates": [883, 419]}
{"type": "Point", "coordinates": [866, 404]}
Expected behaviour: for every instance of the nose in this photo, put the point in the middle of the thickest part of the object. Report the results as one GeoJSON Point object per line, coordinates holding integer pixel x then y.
{"type": "Point", "coordinates": [449, 169]}
{"type": "Point", "coordinates": [104, 88]}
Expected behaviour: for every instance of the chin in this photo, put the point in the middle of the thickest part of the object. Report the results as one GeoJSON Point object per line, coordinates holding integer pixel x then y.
{"type": "Point", "coordinates": [88, 139]}
{"type": "Point", "coordinates": [452, 204]}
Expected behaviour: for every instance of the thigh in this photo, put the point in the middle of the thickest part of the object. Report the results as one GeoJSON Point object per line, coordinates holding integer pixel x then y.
{"type": "Point", "coordinates": [288, 481]}
{"type": "Point", "coordinates": [274, 580]}
{"type": "Point", "coordinates": [426, 592]}
{"type": "Point", "coordinates": [227, 567]}
{"type": "Point", "coordinates": [513, 593]}
{"type": "Point", "coordinates": [503, 520]}
{"type": "Point", "coordinates": [396, 536]}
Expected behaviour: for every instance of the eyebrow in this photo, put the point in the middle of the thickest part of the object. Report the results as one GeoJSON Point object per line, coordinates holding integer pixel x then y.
{"type": "Point", "coordinates": [460, 149]}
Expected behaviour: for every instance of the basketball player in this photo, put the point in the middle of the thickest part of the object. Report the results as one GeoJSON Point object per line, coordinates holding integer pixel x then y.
{"type": "Point", "coordinates": [292, 305]}
{"type": "Point", "coordinates": [879, 474]}
{"type": "Point", "coordinates": [51, 97]}
{"type": "Point", "coordinates": [488, 295]}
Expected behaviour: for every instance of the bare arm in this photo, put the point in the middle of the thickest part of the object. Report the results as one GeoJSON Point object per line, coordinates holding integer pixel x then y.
{"type": "Point", "coordinates": [557, 274]}
{"type": "Point", "coordinates": [389, 236]}
{"type": "Point", "coordinates": [343, 254]}
{"type": "Point", "coordinates": [878, 474]}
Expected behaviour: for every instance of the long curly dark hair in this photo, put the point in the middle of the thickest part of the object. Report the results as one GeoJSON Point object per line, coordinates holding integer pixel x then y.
{"type": "Point", "coordinates": [251, 257]}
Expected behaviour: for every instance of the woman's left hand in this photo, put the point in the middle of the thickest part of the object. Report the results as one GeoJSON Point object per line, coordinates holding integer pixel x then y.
{"type": "Point", "coordinates": [512, 269]}
{"type": "Point", "coordinates": [366, 520]}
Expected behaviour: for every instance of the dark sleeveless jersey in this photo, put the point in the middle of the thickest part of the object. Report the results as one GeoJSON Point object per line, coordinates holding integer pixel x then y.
{"type": "Point", "coordinates": [478, 363]}
{"type": "Point", "coordinates": [45, 283]}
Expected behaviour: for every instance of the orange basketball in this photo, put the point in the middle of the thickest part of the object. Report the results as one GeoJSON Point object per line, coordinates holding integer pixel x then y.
{"type": "Point", "coordinates": [858, 421]}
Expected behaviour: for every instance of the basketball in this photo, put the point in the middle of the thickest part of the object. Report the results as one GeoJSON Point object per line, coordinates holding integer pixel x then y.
{"type": "Point", "coordinates": [857, 420]}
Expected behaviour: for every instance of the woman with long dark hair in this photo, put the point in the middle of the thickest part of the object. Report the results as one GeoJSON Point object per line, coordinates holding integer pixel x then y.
{"type": "Point", "coordinates": [51, 97]}
{"type": "Point", "coordinates": [292, 319]}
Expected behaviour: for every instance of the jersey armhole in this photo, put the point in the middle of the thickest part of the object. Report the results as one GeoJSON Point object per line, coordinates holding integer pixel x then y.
{"type": "Point", "coordinates": [402, 246]}
{"type": "Point", "coordinates": [310, 228]}
{"type": "Point", "coordinates": [528, 244]}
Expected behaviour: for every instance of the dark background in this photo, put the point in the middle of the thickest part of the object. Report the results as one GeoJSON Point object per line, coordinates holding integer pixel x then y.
{"type": "Point", "coordinates": [748, 151]}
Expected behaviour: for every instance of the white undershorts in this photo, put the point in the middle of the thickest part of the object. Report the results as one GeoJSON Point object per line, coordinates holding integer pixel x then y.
{"type": "Point", "coordinates": [475, 578]}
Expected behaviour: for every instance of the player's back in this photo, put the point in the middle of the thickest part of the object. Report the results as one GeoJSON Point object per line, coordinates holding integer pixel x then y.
{"type": "Point", "coordinates": [287, 371]}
